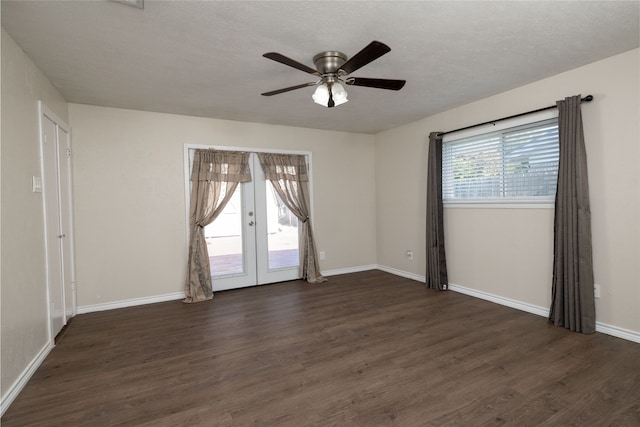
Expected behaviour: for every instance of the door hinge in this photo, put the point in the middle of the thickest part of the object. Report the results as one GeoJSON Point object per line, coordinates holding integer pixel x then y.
{"type": "Point", "coordinates": [68, 150]}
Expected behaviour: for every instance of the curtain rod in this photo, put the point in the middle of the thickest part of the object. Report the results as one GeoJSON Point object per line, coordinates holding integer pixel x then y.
{"type": "Point", "coordinates": [587, 98]}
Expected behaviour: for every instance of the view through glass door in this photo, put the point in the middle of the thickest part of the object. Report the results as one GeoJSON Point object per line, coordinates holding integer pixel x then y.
{"type": "Point", "coordinates": [254, 241]}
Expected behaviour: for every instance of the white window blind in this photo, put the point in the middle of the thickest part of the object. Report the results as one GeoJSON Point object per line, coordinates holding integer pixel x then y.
{"type": "Point", "coordinates": [515, 164]}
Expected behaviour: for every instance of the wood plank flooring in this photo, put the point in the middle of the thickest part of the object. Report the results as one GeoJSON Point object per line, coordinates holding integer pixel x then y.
{"type": "Point", "coordinates": [364, 349]}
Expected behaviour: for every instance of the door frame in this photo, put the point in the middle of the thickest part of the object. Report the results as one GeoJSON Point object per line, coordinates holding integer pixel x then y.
{"type": "Point", "coordinates": [68, 283]}
{"type": "Point", "coordinates": [187, 175]}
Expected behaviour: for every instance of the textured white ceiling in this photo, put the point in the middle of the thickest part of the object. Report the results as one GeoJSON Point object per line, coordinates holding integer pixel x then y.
{"type": "Point", "coordinates": [204, 58]}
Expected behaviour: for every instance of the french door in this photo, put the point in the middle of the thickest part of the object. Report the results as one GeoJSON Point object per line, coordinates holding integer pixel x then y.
{"type": "Point", "coordinates": [254, 241]}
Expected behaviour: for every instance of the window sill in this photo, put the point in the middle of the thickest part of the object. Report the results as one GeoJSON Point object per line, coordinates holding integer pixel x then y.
{"type": "Point", "coordinates": [500, 204]}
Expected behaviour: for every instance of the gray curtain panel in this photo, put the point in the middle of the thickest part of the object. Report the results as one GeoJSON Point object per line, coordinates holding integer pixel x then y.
{"type": "Point", "coordinates": [288, 174]}
{"type": "Point", "coordinates": [436, 276]}
{"type": "Point", "coordinates": [573, 304]}
{"type": "Point", "coordinates": [214, 178]}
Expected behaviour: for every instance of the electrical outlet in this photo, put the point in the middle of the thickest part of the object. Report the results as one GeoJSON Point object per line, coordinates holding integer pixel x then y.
{"type": "Point", "coordinates": [36, 184]}
{"type": "Point", "coordinates": [409, 254]}
{"type": "Point", "coordinates": [321, 254]}
{"type": "Point", "coordinates": [596, 291]}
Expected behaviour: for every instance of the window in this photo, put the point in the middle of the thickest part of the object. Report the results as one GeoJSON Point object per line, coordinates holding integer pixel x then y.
{"type": "Point", "coordinates": [514, 165]}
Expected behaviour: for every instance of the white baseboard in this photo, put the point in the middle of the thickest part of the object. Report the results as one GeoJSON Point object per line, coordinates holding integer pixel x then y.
{"type": "Point", "coordinates": [130, 302]}
{"type": "Point", "coordinates": [180, 295]}
{"type": "Point", "coordinates": [523, 306]}
{"type": "Point", "coordinates": [402, 273]}
{"type": "Point", "coordinates": [349, 270]}
{"type": "Point", "coordinates": [508, 302]}
{"type": "Point", "coordinates": [24, 378]}
{"type": "Point", "coordinates": [604, 328]}
{"type": "Point", "coordinates": [614, 331]}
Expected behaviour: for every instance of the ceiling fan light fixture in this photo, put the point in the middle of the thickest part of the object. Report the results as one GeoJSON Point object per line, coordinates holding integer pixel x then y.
{"type": "Point", "coordinates": [339, 94]}
{"type": "Point", "coordinates": [327, 92]}
{"type": "Point", "coordinates": [321, 95]}
{"type": "Point", "coordinates": [333, 67]}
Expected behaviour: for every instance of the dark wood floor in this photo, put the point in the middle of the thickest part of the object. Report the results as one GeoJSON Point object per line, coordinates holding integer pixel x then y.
{"type": "Point", "coordinates": [363, 349]}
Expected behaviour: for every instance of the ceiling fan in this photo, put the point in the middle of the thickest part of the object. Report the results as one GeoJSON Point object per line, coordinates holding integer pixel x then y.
{"type": "Point", "coordinates": [333, 68]}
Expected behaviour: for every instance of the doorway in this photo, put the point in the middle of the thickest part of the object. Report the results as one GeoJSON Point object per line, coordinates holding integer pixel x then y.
{"type": "Point", "coordinates": [254, 241]}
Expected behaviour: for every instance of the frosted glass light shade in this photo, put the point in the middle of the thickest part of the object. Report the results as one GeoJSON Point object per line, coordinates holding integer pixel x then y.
{"type": "Point", "coordinates": [339, 94]}
{"type": "Point", "coordinates": [321, 95]}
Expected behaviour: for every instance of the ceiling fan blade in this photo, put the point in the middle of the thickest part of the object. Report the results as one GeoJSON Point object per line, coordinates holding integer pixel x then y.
{"type": "Point", "coordinates": [371, 52]}
{"type": "Point", "coordinates": [287, 89]}
{"type": "Point", "coordinates": [377, 83]}
{"type": "Point", "coordinates": [275, 56]}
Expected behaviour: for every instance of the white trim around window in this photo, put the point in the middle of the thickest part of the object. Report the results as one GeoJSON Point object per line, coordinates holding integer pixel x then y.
{"type": "Point", "coordinates": [543, 202]}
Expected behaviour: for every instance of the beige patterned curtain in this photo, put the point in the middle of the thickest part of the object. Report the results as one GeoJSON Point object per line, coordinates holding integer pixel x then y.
{"type": "Point", "coordinates": [573, 303]}
{"type": "Point", "coordinates": [214, 178]}
{"type": "Point", "coordinates": [288, 174]}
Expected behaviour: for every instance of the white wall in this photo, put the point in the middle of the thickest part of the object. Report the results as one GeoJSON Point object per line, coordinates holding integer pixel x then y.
{"type": "Point", "coordinates": [130, 200]}
{"type": "Point", "coordinates": [508, 252]}
{"type": "Point", "coordinates": [24, 298]}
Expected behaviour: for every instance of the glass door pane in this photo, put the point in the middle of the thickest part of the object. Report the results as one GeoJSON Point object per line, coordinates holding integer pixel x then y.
{"type": "Point", "coordinates": [276, 233]}
{"type": "Point", "coordinates": [282, 232]}
{"type": "Point", "coordinates": [224, 239]}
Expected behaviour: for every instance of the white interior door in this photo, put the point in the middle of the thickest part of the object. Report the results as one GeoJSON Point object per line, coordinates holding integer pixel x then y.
{"type": "Point", "coordinates": [53, 233]}
{"type": "Point", "coordinates": [66, 221]}
{"type": "Point", "coordinates": [56, 187]}
{"type": "Point", "coordinates": [254, 241]}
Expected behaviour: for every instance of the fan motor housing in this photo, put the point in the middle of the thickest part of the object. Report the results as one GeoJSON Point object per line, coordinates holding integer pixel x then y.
{"type": "Point", "coordinates": [329, 62]}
